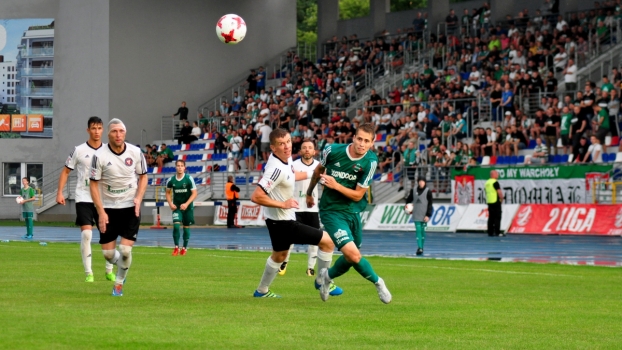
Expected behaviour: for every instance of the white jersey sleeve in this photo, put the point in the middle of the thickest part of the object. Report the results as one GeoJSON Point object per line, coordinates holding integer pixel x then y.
{"type": "Point", "coordinates": [80, 160]}
{"type": "Point", "coordinates": [278, 183]}
{"type": "Point", "coordinates": [300, 188]}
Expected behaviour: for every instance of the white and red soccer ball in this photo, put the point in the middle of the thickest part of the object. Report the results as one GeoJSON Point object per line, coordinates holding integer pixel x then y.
{"type": "Point", "coordinates": [231, 29]}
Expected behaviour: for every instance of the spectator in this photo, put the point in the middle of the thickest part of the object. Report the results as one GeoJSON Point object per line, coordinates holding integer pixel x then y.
{"type": "Point", "coordinates": [518, 140]}
{"type": "Point", "coordinates": [595, 150]}
{"type": "Point", "coordinates": [235, 146]}
{"type": "Point", "coordinates": [540, 153]}
{"type": "Point", "coordinates": [577, 128]}
{"type": "Point", "coordinates": [219, 143]}
{"type": "Point", "coordinates": [182, 112]}
{"type": "Point", "coordinates": [551, 131]}
{"type": "Point", "coordinates": [565, 122]}
{"type": "Point", "coordinates": [250, 147]}
{"type": "Point", "coordinates": [570, 76]}
{"type": "Point", "coordinates": [165, 156]}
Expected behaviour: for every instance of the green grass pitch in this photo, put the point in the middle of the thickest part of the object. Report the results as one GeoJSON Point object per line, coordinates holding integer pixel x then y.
{"type": "Point", "coordinates": [203, 300]}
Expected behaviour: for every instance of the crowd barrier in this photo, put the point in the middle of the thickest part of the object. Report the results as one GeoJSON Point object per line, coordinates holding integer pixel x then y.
{"type": "Point", "coordinates": [558, 219]}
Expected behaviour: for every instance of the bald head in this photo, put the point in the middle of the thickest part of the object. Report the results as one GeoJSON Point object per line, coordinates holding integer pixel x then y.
{"type": "Point", "coordinates": [494, 174]}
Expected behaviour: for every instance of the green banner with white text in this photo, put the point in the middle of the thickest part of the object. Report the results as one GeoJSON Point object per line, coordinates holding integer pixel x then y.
{"type": "Point", "coordinates": [547, 184]}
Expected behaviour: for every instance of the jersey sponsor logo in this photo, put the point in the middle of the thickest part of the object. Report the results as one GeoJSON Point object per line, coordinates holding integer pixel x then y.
{"type": "Point", "coordinates": [181, 190]}
{"type": "Point", "coordinates": [129, 161]}
{"type": "Point", "coordinates": [120, 190]}
{"type": "Point", "coordinates": [342, 175]}
{"type": "Point", "coordinates": [341, 236]}
{"type": "Point", "coordinates": [338, 165]}
{"type": "Point", "coordinates": [293, 171]}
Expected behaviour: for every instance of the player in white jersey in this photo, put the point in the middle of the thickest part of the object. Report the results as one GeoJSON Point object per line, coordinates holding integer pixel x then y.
{"type": "Point", "coordinates": [307, 215]}
{"type": "Point", "coordinates": [275, 192]}
{"type": "Point", "coordinates": [86, 215]}
{"type": "Point", "coordinates": [118, 182]}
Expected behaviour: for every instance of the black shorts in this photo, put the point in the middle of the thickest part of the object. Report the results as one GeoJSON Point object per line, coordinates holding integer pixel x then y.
{"type": "Point", "coordinates": [86, 214]}
{"type": "Point", "coordinates": [566, 140]}
{"type": "Point", "coordinates": [121, 222]}
{"type": "Point", "coordinates": [411, 171]}
{"type": "Point", "coordinates": [308, 218]}
{"type": "Point", "coordinates": [284, 233]}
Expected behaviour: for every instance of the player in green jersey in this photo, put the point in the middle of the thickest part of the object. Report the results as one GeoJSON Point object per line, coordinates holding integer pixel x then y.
{"type": "Point", "coordinates": [346, 172]}
{"type": "Point", "coordinates": [180, 193]}
{"type": "Point", "coordinates": [28, 197]}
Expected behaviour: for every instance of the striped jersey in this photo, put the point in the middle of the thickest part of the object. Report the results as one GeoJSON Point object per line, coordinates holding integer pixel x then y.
{"type": "Point", "coordinates": [117, 174]}
{"type": "Point", "coordinates": [300, 188]}
{"type": "Point", "coordinates": [349, 172]}
{"type": "Point", "coordinates": [278, 182]}
{"type": "Point", "coordinates": [80, 160]}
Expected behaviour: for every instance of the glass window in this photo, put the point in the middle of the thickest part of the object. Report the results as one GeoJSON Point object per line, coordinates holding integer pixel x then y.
{"type": "Point", "coordinates": [11, 176]}
{"type": "Point", "coordinates": [34, 173]}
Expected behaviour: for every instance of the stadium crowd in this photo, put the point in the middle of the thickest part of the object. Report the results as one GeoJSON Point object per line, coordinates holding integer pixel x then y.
{"type": "Point", "coordinates": [483, 90]}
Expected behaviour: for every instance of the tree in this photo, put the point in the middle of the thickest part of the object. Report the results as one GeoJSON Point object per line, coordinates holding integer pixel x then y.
{"type": "Point", "coordinates": [349, 9]}
{"type": "Point", "coordinates": [403, 5]}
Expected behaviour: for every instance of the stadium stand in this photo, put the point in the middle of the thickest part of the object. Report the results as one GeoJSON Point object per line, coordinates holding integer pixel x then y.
{"type": "Point", "coordinates": [483, 90]}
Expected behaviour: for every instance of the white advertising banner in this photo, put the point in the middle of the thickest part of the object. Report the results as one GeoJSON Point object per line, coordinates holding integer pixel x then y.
{"type": "Point", "coordinates": [392, 217]}
{"type": "Point", "coordinates": [249, 214]}
{"type": "Point", "coordinates": [475, 217]}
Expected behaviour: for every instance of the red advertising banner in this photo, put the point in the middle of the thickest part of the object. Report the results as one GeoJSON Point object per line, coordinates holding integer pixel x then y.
{"type": "Point", "coordinates": [249, 213]}
{"type": "Point", "coordinates": [568, 219]}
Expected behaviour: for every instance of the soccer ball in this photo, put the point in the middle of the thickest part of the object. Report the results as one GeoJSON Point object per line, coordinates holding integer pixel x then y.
{"type": "Point", "coordinates": [231, 29]}
{"type": "Point", "coordinates": [408, 208]}
{"type": "Point", "coordinates": [19, 199]}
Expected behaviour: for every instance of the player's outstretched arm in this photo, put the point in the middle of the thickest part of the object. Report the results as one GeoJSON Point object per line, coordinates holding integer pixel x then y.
{"type": "Point", "coordinates": [260, 197]}
{"type": "Point", "coordinates": [62, 181]}
{"type": "Point", "coordinates": [315, 178]}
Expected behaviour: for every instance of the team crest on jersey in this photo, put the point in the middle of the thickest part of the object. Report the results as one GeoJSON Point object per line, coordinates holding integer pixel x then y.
{"type": "Point", "coordinates": [357, 168]}
{"type": "Point", "coordinates": [129, 161]}
{"type": "Point", "coordinates": [184, 185]}
{"type": "Point", "coordinates": [293, 171]}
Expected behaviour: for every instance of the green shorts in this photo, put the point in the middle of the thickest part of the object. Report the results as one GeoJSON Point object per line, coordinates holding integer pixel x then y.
{"type": "Point", "coordinates": [27, 214]}
{"type": "Point", "coordinates": [343, 227]}
{"type": "Point", "coordinates": [186, 217]}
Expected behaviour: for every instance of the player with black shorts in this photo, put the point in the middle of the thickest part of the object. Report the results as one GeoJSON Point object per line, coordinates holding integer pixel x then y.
{"type": "Point", "coordinates": [86, 215]}
{"type": "Point", "coordinates": [309, 216]}
{"type": "Point", "coordinates": [118, 183]}
{"type": "Point", "coordinates": [275, 192]}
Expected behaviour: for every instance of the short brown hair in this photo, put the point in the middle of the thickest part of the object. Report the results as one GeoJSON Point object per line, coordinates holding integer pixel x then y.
{"type": "Point", "coordinates": [308, 140]}
{"type": "Point", "coordinates": [277, 134]}
{"type": "Point", "coordinates": [180, 161]}
{"type": "Point", "coordinates": [366, 127]}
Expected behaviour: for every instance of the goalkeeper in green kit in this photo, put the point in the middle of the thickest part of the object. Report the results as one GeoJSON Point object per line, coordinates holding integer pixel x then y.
{"type": "Point", "coordinates": [346, 171]}
{"type": "Point", "coordinates": [180, 193]}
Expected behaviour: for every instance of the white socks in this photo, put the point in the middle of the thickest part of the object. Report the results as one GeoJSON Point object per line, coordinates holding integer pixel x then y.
{"type": "Point", "coordinates": [111, 256]}
{"type": "Point", "coordinates": [268, 275]}
{"type": "Point", "coordinates": [323, 262]}
{"type": "Point", "coordinates": [288, 253]}
{"type": "Point", "coordinates": [85, 249]}
{"type": "Point", "coordinates": [312, 256]}
{"type": "Point", "coordinates": [123, 263]}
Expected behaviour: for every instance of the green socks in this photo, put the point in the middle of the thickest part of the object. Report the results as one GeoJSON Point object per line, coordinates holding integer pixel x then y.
{"type": "Point", "coordinates": [420, 227]}
{"type": "Point", "coordinates": [186, 236]}
{"type": "Point", "coordinates": [340, 267]}
{"type": "Point", "coordinates": [364, 268]}
{"type": "Point", "coordinates": [29, 226]}
{"type": "Point", "coordinates": [176, 234]}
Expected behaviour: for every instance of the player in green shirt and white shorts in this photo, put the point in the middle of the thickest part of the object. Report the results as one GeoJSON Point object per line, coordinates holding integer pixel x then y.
{"type": "Point", "coordinates": [180, 193]}
{"type": "Point", "coordinates": [346, 172]}
{"type": "Point", "coordinates": [28, 197]}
